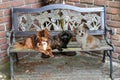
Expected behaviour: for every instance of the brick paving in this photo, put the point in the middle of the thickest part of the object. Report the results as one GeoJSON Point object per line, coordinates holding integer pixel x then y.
{"type": "Point", "coordinates": [79, 67]}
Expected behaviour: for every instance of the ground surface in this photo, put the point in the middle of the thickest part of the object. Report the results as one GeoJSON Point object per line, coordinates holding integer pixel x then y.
{"type": "Point", "coordinates": [80, 67]}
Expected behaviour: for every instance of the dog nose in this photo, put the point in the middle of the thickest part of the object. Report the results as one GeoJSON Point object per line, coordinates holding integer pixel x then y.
{"type": "Point", "coordinates": [82, 34]}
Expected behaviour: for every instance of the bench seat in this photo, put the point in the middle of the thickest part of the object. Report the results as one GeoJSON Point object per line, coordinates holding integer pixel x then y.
{"type": "Point", "coordinates": [72, 46]}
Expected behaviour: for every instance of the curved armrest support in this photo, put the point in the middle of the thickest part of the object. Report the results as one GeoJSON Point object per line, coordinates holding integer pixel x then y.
{"type": "Point", "coordinates": [108, 37]}
{"type": "Point", "coordinates": [9, 40]}
{"type": "Point", "coordinates": [111, 31]}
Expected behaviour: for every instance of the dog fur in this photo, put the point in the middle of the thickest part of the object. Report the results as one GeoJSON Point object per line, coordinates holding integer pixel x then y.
{"type": "Point", "coordinates": [28, 43]}
{"type": "Point", "coordinates": [84, 39]}
{"type": "Point", "coordinates": [44, 47]}
{"type": "Point", "coordinates": [43, 39]}
{"type": "Point", "coordinates": [61, 40]}
{"type": "Point", "coordinates": [35, 42]}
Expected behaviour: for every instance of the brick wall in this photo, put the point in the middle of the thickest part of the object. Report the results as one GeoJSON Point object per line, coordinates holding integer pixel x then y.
{"type": "Point", "coordinates": [113, 17]}
{"type": "Point", "coordinates": [5, 20]}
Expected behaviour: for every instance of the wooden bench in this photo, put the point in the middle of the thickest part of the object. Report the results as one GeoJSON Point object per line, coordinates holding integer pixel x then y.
{"type": "Point", "coordinates": [56, 18]}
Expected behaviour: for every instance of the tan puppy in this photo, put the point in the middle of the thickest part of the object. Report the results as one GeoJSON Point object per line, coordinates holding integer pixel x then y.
{"type": "Point", "coordinates": [84, 39]}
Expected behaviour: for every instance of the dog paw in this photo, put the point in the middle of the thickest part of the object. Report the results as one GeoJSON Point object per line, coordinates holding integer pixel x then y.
{"type": "Point", "coordinates": [69, 53]}
{"type": "Point", "coordinates": [60, 49]}
{"type": "Point", "coordinates": [51, 55]}
{"type": "Point", "coordinates": [45, 56]}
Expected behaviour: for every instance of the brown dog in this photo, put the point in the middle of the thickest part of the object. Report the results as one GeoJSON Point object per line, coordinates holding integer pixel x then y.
{"type": "Point", "coordinates": [28, 43]}
{"type": "Point", "coordinates": [44, 46]}
{"type": "Point", "coordinates": [39, 42]}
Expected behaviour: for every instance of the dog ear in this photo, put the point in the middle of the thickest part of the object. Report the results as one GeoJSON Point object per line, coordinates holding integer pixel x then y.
{"type": "Point", "coordinates": [39, 34]}
{"type": "Point", "coordinates": [70, 34]}
{"type": "Point", "coordinates": [85, 27]}
{"type": "Point", "coordinates": [46, 33]}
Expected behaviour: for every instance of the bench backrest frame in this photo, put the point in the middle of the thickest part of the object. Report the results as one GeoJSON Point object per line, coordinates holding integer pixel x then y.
{"type": "Point", "coordinates": [101, 10]}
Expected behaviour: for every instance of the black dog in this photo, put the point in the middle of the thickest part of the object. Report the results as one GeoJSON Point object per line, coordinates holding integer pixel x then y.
{"type": "Point", "coordinates": [61, 40]}
{"type": "Point", "coordinates": [65, 37]}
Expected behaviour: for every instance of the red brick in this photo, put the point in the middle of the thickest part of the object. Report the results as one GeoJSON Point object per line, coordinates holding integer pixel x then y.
{"type": "Point", "coordinates": [5, 5]}
{"type": "Point", "coordinates": [4, 19]}
{"type": "Point", "coordinates": [17, 3]}
{"type": "Point", "coordinates": [8, 26]}
{"type": "Point", "coordinates": [116, 43]}
{"type": "Point", "coordinates": [117, 49]}
{"type": "Point", "coordinates": [6, 12]}
{"type": "Point", "coordinates": [1, 12]}
{"type": "Point", "coordinates": [26, 6]}
{"type": "Point", "coordinates": [2, 27]}
{"type": "Point", "coordinates": [4, 0]}
{"type": "Point", "coordinates": [30, 1]}
{"type": "Point", "coordinates": [80, 5]}
{"type": "Point", "coordinates": [115, 37]}
{"type": "Point", "coordinates": [108, 16]}
{"type": "Point", "coordinates": [36, 5]}
{"type": "Point", "coordinates": [87, 1]}
{"type": "Point", "coordinates": [114, 4]}
{"type": "Point", "coordinates": [2, 34]}
{"type": "Point", "coordinates": [115, 55]}
{"type": "Point", "coordinates": [113, 10]}
{"type": "Point", "coordinates": [118, 30]}
{"type": "Point", "coordinates": [115, 24]}
{"type": "Point", "coordinates": [101, 2]}
{"type": "Point", "coordinates": [3, 41]}
{"type": "Point", "coordinates": [74, 1]}
{"type": "Point", "coordinates": [3, 46]}
{"type": "Point", "coordinates": [70, 3]}
{"type": "Point", "coordinates": [116, 17]}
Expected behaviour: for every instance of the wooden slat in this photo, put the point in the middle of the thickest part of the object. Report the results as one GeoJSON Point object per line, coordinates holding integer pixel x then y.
{"type": "Point", "coordinates": [72, 46]}
{"type": "Point", "coordinates": [64, 50]}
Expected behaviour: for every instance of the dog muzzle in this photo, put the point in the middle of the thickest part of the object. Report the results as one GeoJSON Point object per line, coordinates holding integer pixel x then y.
{"type": "Point", "coordinates": [44, 45]}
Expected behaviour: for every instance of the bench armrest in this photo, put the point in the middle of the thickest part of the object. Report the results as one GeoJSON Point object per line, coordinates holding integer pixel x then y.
{"type": "Point", "coordinates": [111, 31]}
{"type": "Point", "coordinates": [108, 36]}
{"type": "Point", "coordinates": [9, 40]}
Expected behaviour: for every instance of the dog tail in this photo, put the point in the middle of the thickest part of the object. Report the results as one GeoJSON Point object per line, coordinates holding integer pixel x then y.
{"type": "Point", "coordinates": [19, 46]}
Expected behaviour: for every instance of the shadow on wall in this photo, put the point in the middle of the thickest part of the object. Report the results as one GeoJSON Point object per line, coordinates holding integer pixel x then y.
{"type": "Point", "coordinates": [48, 2]}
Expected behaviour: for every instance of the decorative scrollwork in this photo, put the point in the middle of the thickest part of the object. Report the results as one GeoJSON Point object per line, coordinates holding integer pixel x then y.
{"type": "Point", "coordinates": [57, 20]}
{"type": "Point", "coordinates": [93, 21]}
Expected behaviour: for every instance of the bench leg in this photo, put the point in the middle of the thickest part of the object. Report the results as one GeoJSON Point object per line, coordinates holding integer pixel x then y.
{"type": "Point", "coordinates": [11, 66]}
{"type": "Point", "coordinates": [108, 53]}
{"type": "Point", "coordinates": [16, 56]}
{"type": "Point", "coordinates": [111, 66]}
{"type": "Point", "coordinates": [104, 56]}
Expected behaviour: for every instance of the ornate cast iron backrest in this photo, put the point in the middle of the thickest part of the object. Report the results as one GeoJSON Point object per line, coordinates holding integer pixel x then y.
{"type": "Point", "coordinates": [58, 17]}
